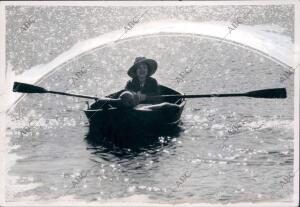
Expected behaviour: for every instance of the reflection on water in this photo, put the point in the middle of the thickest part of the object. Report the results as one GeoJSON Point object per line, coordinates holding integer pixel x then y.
{"type": "Point", "coordinates": [134, 143]}
{"type": "Point", "coordinates": [230, 145]}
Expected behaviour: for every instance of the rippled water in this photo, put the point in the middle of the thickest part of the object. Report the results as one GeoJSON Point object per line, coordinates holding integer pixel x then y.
{"type": "Point", "coordinates": [234, 149]}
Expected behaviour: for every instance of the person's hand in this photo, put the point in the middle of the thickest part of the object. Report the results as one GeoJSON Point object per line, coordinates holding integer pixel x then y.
{"type": "Point", "coordinates": [142, 97]}
{"type": "Point", "coordinates": [129, 99]}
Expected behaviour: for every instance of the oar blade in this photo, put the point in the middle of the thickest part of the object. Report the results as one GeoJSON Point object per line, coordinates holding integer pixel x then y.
{"type": "Point", "coordinates": [268, 93]}
{"type": "Point", "coordinates": [27, 88]}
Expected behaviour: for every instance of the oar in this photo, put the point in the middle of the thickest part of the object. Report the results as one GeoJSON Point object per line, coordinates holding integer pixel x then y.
{"type": "Point", "coordinates": [28, 88]}
{"type": "Point", "coordinates": [266, 93]}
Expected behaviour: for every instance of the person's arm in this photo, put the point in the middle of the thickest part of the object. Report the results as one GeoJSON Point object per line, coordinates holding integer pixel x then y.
{"type": "Point", "coordinates": [154, 92]}
{"type": "Point", "coordinates": [154, 89]}
{"type": "Point", "coordinates": [137, 96]}
{"type": "Point", "coordinates": [128, 85]}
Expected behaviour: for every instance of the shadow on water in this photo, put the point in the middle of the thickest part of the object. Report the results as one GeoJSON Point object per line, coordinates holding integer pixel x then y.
{"type": "Point", "coordinates": [127, 145]}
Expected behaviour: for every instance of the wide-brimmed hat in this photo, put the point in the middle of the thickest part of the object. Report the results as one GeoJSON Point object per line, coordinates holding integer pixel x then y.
{"type": "Point", "coordinates": [152, 66]}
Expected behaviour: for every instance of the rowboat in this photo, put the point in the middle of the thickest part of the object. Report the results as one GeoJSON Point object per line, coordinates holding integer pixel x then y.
{"type": "Point", "coordinates": [125, 126]}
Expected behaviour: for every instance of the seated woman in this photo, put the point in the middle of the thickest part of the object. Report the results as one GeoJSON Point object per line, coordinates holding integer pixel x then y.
{"type": "Point", "coordinates": [142, 85]}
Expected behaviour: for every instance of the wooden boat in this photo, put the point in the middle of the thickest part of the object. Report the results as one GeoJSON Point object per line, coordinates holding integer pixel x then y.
{"type": "Point", "coordinates": [123, 126]}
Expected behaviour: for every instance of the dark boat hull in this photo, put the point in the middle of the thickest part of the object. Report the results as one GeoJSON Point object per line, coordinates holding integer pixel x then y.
{"type": "Point", "coordinates": [124, 126]}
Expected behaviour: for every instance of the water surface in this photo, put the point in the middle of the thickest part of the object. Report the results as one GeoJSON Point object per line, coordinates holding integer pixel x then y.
{"type": "Point", "coordinates": [235, 149]}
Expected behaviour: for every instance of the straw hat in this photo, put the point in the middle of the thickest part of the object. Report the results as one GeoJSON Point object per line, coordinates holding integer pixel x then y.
{"type": "Point", "coordinates": [152, 66]}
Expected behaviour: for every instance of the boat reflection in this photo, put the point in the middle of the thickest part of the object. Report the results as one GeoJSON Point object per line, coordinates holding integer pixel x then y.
{"type": "Point", "coordinates": [122, 144]}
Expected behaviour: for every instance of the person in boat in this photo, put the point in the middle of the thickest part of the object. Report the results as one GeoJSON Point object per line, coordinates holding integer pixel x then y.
{"type": "Point", "coordinates": [142, 86]}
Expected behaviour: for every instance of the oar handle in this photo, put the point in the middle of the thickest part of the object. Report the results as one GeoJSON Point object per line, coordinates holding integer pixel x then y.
{"type": "Point", "coordinates": [108, 100]}
{"type": "Point", "coordinates": [71, 94]}
{"type": "Point", "coordinates": [265, 93]}
{"type": "Point", "coordinates": [201, 96]}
